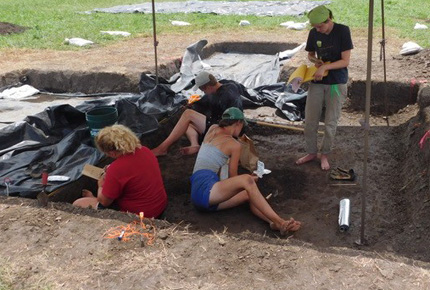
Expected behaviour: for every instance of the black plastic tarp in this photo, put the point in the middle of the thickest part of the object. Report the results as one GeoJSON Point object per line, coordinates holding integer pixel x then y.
{"type": "Point", "coordinates": [59, 136]}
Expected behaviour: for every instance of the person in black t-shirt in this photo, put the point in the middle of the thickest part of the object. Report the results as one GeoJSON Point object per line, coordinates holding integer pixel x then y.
{"type": "Point", "coordinates": [194, 123]}
{"type": "Point", "coordinates": [329, 47]}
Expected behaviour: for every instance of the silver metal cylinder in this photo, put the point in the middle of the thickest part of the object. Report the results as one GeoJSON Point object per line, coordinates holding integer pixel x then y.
{"type": "Point", "coordinates": [344, 206]}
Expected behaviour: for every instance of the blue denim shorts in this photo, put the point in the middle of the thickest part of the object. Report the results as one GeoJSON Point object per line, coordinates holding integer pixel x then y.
{"type": "Point", "coordinates": [202, 182]}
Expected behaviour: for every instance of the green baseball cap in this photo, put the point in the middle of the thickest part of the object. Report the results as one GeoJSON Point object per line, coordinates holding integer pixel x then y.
{"type": "Point", "coordinates": [318, 15]}
{"type": "Point", "coordinates": [234, 113]}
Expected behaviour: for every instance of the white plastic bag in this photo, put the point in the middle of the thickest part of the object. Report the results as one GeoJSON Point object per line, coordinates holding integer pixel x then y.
{"type": "Point", "coordinates": [420, 26]}
{"type": "Point", "coordinates": [19, 92]}
{"type": "Point", "coordinates": [116, 33]}
{"type": "Point", "coordinates": [410, 47]}
{"type": "Point", "coordinates": [289, 53]}
{"type": "Point", "coordinates": [78, 41]}
{"type": "Point", "coordinates": [179, 23]}
{"type": "Point", "coordinates": [295, 26]}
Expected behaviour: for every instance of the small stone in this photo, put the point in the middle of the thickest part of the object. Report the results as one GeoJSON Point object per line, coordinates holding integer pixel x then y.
{"type": "Point", "coordinates": [222, 242]}
{"type": "Point", "coordinates": [163, 235]}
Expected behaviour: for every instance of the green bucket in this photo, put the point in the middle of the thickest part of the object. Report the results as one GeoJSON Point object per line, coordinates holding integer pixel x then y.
{"type": "Point", "coordinates": [101, 117]}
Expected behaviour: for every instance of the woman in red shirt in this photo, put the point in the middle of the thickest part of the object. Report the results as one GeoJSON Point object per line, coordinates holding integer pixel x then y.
{"type": "Point", "coordinates": [133, 182]}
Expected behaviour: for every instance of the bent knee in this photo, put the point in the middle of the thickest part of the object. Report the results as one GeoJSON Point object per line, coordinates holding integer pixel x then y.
{"type": "Point", "coordinates": [188, 113]}
{"type": "Point", "coordinates": [249, 180]}
{"type": "Point", "coordinates": [78, 202]}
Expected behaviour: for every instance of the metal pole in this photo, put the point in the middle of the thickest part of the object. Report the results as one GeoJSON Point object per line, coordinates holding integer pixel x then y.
{"type": "Point", "coordinates": [155, 41]}
{"type": "Point", "coordinates": [384, 63]}
{"type": "Point", "coordinates": [362, 240]}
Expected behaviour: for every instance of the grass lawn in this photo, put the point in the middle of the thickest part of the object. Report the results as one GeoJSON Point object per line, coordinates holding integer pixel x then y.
{"type": "Point", "coordinates": [51, 21]}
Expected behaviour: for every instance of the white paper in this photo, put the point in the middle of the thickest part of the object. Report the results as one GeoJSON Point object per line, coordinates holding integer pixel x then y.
{"type": "Point", "coordinates": [58, 178]}
{"type": "Point", "coordinates": [261, 170]}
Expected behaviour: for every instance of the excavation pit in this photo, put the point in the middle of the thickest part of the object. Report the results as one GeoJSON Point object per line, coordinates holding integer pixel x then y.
{"type": "Point", "coordinates": [397, 190]}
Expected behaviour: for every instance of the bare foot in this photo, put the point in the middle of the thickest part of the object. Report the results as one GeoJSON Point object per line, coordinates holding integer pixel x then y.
{"type": "Point", "coordinates": [324, 162]}
{"type": "Point", "coordinates": [306, 158]}
{"type": "Point", "coordinates": [159, 152]}
{"type": "Point", "coordinates": [290, 225]}
{"type": "Point", "coordinates": [190, 150]}
{"type": "Point", "coordinates": [87, 193]}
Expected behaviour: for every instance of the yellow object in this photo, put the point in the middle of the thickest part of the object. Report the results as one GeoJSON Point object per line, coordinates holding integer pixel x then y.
{"type": "Point", "coordinates": [302, 75]}
{"type": "Point", "coordinates": [193, 99]}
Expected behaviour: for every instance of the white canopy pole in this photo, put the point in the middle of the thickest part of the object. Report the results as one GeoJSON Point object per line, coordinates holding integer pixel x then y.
{"type": "Point", "coordinates": [362, 240]}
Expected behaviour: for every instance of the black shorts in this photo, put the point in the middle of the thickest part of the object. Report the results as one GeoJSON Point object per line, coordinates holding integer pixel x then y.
{"type": "Point", "coordinates": [113, 206]}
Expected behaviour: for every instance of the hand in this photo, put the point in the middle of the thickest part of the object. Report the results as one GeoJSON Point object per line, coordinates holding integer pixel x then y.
{"type": "Point", "coordinates": [101, 180]}
{"type": "Point", "coordinates": [318, 62]}
{"type": "Point", "coordinates": [319, 74]}
{"type": "Point", "coordinates": [255, 177]}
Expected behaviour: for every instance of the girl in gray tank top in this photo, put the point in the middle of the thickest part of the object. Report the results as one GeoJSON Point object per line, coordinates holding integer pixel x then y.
{"type": "Point", "coordinates": [210, 194]}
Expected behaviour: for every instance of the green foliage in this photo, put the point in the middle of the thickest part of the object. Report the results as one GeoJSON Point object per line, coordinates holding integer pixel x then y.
{"type": "Point", "coordinates": [4, 284]}
{"type": "Point", "coordinates": [51, 21]}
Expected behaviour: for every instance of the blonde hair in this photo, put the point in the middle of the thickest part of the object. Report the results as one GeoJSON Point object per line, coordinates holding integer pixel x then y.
{"type": "Point", "coordinates": [117, 138]}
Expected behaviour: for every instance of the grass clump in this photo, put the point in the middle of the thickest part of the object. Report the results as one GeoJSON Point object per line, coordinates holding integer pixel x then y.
{"type": "Point", "coordinates": [51, 21]}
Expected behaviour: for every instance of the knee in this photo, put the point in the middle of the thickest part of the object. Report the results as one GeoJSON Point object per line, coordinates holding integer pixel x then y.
{"type": "Point", "coordinates": [78, 202]}
{"type": "Point", "coordinates": [249, 180]}
{"type": "Point", "coordinates": [188, 113]}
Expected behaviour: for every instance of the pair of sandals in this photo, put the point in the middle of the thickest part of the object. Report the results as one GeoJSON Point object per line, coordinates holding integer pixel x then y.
{"type": "Point", "coordinates": [342, 174]}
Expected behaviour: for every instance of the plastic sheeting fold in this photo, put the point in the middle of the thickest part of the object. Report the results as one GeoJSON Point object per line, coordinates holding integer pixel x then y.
{"type": "Point", "coordinates": [59, 135]}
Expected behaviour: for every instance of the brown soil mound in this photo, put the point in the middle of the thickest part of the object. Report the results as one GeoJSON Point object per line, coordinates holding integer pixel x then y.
{"type": "Point", "coordinates": [418, 63]}
{"type": "Point", "coordinates": [9, 28]}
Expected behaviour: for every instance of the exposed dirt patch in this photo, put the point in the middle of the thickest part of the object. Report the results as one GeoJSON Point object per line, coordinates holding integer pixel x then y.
{"type": "Point", "coordinates": [135, 56]}
{"type": "Point", "coordinates": [418, 63]}
{"type": "Point", "coordinates": [9, 28]}
{"type": "Point", "coordinates": [63, 247]}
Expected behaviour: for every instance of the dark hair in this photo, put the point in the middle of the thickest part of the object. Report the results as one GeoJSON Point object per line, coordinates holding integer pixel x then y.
{"type": "Point", "coordinates": [330, 14]}
{"type": "Point", "coordinates": [212, 80]}
{"type": "Point", "coordinates": [228, 122]}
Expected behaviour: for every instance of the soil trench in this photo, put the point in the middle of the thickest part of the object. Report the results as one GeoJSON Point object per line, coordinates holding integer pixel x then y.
{"type": "Point", "coordinates": [196, 250]}
{"type": "Point", "coordinates": [308, 194]}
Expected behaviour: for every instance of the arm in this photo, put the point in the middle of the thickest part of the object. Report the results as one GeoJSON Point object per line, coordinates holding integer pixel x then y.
{"type": "Point", "coordinates": [341, 63]}
{"type": "Point", "coordinates": [100, 197]}
{"type": "Point", "coordinates": [236, 148]}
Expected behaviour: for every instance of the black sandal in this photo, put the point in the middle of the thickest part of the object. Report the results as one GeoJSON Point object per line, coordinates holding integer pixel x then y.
{"type": "Point", "coordinates": [342, 174]}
